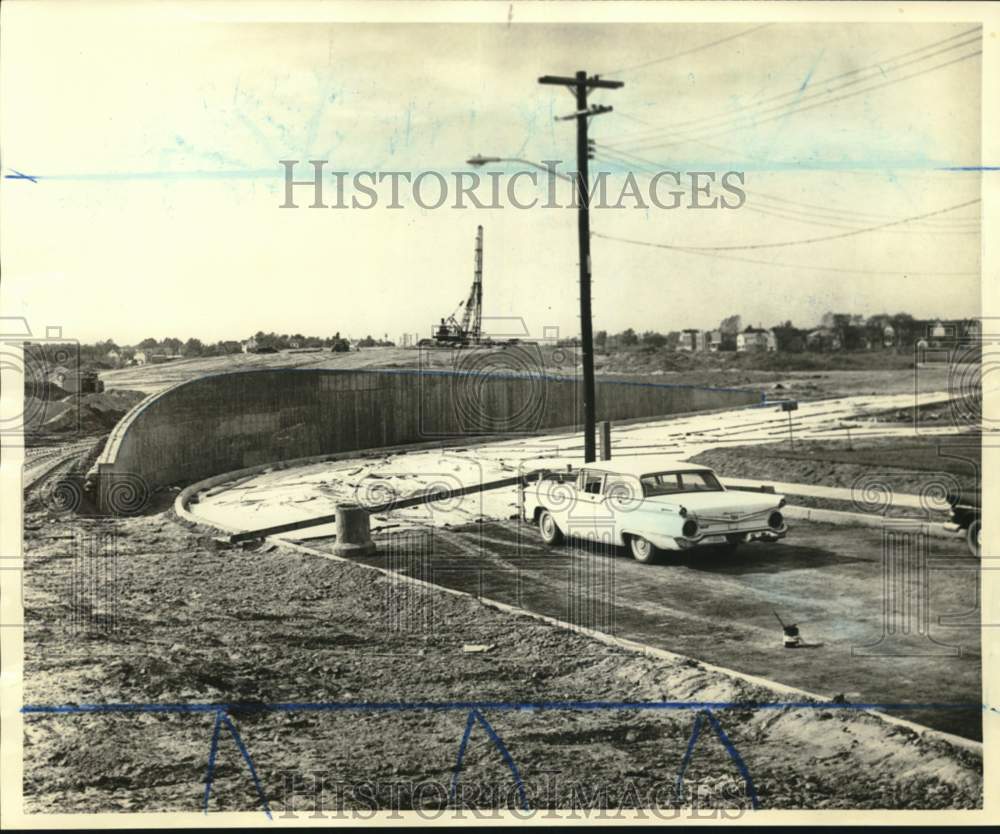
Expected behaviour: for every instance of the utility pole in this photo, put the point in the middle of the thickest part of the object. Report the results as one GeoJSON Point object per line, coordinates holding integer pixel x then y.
{"type": "Point", "coordinates": [579, 86]}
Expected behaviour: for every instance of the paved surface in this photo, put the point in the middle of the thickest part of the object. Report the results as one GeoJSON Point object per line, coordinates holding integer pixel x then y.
{"type": "Point", "coordinates": [314, 490]}
{"type": "Point", "coordinates": [718, 607]}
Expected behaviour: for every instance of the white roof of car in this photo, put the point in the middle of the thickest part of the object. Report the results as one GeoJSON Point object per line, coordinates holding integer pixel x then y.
{"type": "Point", "coordinates": [638, 465]}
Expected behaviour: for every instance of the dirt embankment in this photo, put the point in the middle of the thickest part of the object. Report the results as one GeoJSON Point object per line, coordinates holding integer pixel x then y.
{"type": "Point", "coordinates": [146, 610]}
{"type": "Point", "coordinates": [76, 415]}
{"type": "Point", "coordinates": [921, 465]}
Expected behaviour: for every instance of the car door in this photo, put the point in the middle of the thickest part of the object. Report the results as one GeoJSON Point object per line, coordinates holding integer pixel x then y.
{"type": "Point", "coordinates": [622, 496]}
{"type": "Point", "coordinates": [589, 515]}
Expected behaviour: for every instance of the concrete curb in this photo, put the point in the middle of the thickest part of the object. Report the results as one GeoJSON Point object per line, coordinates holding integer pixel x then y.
{"type": "Point", "coordinates": [181, 509]}
{"type": "Point", "coordinates": [867, 520]}
{"type": "Point", "coordinates": [850, 496]}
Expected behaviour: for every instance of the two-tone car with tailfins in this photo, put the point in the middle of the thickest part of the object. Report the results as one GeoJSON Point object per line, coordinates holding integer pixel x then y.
{"type": "Point", "coordinates": [648, 504]}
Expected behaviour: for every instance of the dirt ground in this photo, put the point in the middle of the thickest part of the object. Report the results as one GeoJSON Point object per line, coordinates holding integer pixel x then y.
{"type": "Point", "coordinates": [909, 466]}
{"type": "Point", "coordinates": [150, 611]}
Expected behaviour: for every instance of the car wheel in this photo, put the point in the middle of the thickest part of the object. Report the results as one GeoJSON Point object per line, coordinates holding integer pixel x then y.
{"type": "Point", "coordinates": [551, 534]}
{"type": "Point", "coordinates": [972, 537]}
{"type": "Point", "coordinates": [642, 550]}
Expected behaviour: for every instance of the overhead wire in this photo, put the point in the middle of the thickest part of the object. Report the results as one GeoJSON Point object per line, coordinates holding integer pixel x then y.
{"type": "Point", "coordinates": [877, 68]}
{"type": "Point", "coordinates": [802, 242]}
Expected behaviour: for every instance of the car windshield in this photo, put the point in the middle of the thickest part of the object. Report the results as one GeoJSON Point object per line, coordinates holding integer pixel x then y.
{"type": "Point", "coordinates": [671, 483]}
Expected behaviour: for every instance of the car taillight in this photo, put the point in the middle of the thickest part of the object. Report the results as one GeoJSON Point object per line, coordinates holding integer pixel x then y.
{"type": "Point", "coordinates": [782, 503]}
{"type": "Point", "coordinates": [775, 520]}
{"type": "Point", "coordinates": [690, 528]}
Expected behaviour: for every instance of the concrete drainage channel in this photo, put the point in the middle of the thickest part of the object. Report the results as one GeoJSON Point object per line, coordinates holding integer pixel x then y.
{"type": "Point", "coordinates": [354, 523]}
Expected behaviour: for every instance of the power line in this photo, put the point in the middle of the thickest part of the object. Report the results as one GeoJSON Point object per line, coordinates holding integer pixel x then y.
{"type": "Point", "coordinates": [796, 110]}
{"type": "Point", "coordinates": [828, 223]}
{"type": "Point", "coordinates": [879, 67]}
{"type": "Point", "coordinates": [841, 214]}
{"type": "Point", "coordinates": [791, 266]}
{"type": "Point", "coordinates": [795, 213]}
{"type": "Point", "coordinates": [792, 242]}
{"type": "Point", "coordinates": [687, 51]}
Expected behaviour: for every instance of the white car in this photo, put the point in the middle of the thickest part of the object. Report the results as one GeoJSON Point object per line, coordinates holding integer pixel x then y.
{"type": "Point", "coordinates": [649, 504]}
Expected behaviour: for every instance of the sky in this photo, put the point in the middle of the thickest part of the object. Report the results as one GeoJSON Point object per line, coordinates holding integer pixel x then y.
{"type": "Point", "coordinates": [156, 148]}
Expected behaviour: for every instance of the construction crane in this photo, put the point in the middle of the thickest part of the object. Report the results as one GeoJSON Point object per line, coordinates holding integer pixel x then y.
{"type": "Point", "coordinates": [452, 332]}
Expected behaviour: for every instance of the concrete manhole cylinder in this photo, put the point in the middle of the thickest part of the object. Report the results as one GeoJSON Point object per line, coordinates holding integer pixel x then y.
{"type": "Point", "coordinates": [353, 531]}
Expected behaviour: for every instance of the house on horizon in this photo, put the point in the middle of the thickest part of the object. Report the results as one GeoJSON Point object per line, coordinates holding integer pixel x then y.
{"type": "Point", "coordinates": [823, 339]}
{"type": "Point", "coordinates": [692, 340]}
{"type": "Point", "coordinates": [756, 340]}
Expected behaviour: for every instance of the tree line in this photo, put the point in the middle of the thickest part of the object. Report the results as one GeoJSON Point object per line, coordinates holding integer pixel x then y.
{"type": "Point", "coordinates": [846, 331]}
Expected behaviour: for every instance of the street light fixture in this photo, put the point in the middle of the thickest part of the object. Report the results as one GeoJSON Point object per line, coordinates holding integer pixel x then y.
{"type": "Point", "coordinates": [478, 161]}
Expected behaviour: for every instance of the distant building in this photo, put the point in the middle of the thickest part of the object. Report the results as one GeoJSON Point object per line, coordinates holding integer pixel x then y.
{"type": "Point", "coordinates": [823, 338]}
{"type": "Point", "coordinates": [114, 358]}
{"type": "Point", "coordinates": [139, 358]}
{"type": "Point", "coordinates": [888, 336]}
{"type": "Point", "coordinates": [715, 341]}
{"type": "Point", "coordinates": [692, 340]}
{"type": "Point", "coordinates": [249, 346]}
{"type": "Point", "coordinates": [756, 340]}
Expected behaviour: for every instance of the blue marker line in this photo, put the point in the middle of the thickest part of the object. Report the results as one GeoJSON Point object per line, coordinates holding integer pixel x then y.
{"type": "Point", "coordinates": [461, 753]}
{"type": "Point", "coordinates": [695, 732]}
{"type": "Point", "coordinates": [740, 764]}
{"type": "Point", "coordinates": [972, 168]}
{"type": "Point", "coordinates": [220, 719]}
{"type": "Point", "coordinates": [730, 748]}
{"type": "Point", "coordinates": [473, 708]}
{"type": "Point", "coordinates": [17, 175]}
{"type": "Point", "coordinates": [213, 750]}
{"type": "Point", "coordinates": [246, 757]}
{"type": "Point", "coordinates": [465, 706]}
{"type": "Point", "coordinates": [498, 743]}
{"type": "Point", "coordinates": [474, 716]}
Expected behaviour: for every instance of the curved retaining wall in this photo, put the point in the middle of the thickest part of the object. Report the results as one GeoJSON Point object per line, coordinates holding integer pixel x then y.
{"type": "Point", "coordinates": [222, 422]}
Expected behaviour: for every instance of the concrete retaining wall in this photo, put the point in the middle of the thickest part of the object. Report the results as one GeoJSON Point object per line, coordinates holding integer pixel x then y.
{"type": "Point", "coordinates": [222, 422]}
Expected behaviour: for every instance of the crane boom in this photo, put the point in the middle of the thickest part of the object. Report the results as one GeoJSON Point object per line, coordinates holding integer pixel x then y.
{"type": "Point", "coordinates": [470, 329]}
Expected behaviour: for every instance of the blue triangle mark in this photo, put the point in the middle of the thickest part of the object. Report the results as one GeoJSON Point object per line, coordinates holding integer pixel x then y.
{"type": "Point", "coordinates": [475, 716]}
{"type": "Point", "coordinates": [699, 721]}
{"type": "Point", "coordinates": [221, 719]}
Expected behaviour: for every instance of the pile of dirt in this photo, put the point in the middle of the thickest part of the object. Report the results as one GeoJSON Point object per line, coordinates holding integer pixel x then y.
{"type": "Point", "coordinates": [171, 616]}
{"type": "Point", "coordinates": [85, 414]}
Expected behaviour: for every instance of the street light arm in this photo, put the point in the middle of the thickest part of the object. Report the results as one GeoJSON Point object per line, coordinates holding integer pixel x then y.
{"type": "Point", "coordinates": [479, 161]}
